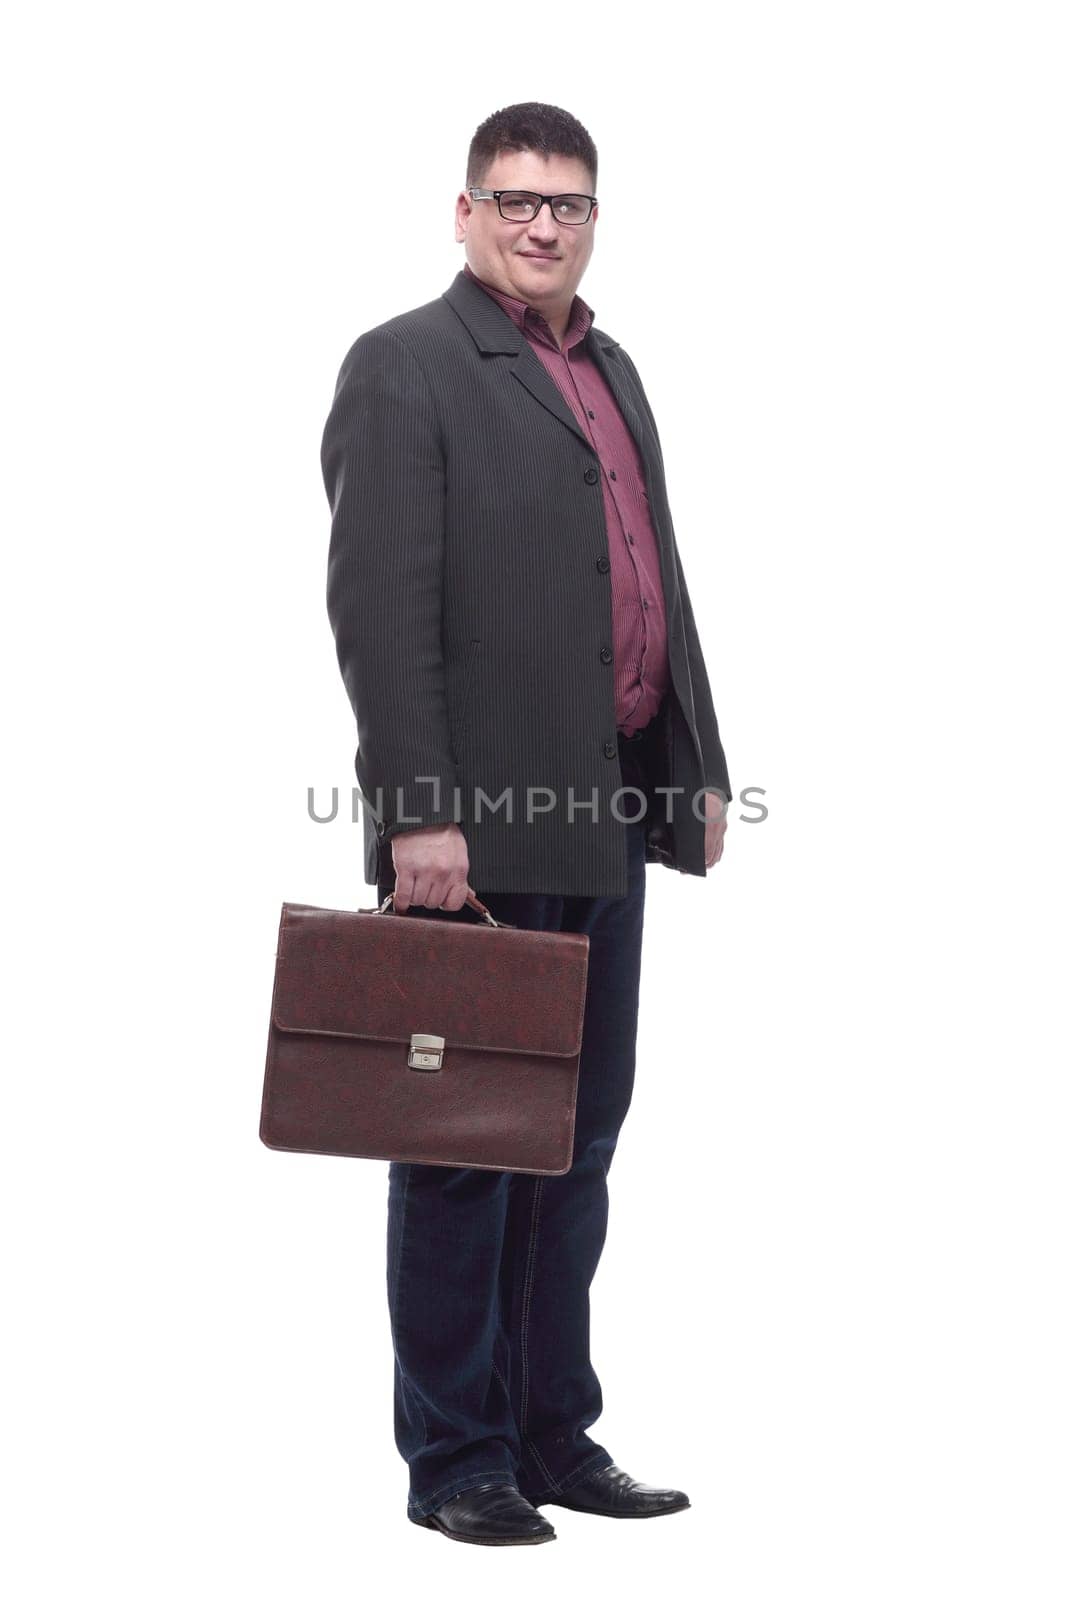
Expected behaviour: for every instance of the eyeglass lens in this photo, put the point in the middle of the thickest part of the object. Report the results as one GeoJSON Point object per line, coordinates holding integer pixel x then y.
{"type": "Point", "coordinates": [518, 206]}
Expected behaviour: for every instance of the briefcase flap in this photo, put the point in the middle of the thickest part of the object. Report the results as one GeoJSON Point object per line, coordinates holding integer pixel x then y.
{"type": "Point", "coordinates": [360, 975]}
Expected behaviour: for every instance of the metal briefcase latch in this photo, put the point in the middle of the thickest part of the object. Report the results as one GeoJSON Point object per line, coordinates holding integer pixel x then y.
{"type": "Point", "coordinates": [425, 1051]}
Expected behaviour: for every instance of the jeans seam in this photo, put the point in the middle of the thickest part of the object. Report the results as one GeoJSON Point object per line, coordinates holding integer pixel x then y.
{"type": "Point", "coordinates": [527, 1295]}
{"type": "Point", "coordinates": [401, 1236]}
{"type": "Point", "coordinates": [524, 1438]}
{"type": "Point", "coordinates": [585, 1469]}
{"type": "Point", "coordinates": [433, 1501]}
{"type": "Point", "coordinates": [549, 1479]}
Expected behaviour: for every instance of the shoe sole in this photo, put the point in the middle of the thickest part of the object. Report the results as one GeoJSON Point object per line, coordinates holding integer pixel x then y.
{"type": "Point", "coordinates": [435, 1526]}
{"type": "Point", "coordinates": [623, 1516]}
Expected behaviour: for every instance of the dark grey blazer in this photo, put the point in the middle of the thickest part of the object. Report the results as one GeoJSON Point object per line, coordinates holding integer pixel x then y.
{"type": "Point", "coordinates": [470, 597]}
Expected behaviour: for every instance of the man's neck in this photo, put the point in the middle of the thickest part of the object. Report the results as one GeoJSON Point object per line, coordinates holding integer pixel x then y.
{"type": "Point", "coordinates": [558, 321]}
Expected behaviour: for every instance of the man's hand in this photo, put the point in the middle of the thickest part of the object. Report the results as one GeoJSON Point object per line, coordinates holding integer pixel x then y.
{"type": "Point", "coordinates": [431, 867]}
{"type": "Point", "coordinates": [714, 827]}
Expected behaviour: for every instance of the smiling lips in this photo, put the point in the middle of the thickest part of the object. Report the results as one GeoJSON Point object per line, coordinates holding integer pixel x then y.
{"type": "Point", "coordinates": [537, 255]}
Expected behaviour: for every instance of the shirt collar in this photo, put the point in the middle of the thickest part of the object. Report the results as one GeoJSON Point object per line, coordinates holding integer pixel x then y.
{"type": "Point", "coordinates": [531, 322]}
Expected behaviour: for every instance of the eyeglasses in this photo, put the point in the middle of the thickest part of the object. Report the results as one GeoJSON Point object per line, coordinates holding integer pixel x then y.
{"type": "Point", "coordinates": [520, 205]}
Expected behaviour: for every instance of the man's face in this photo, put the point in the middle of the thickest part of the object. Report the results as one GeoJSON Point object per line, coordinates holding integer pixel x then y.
{"type": "Point", "coordinates": [541, 261]}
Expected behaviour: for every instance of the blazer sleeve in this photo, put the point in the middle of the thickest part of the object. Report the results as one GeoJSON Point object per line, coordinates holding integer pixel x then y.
{"type": "Point", "coordinates": [716, 775]}
{"type": "Point", "coordinates": [383, 464]}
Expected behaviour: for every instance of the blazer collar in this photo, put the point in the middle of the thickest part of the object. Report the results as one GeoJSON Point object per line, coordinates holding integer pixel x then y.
{"type": "Point", "coordinates": [494, 333]}
{"type": "Point", "coordinates": [489, 324]}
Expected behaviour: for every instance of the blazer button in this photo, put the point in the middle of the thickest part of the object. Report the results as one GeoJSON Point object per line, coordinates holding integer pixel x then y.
{"type": "Point", "coordinates": [602, 563]}
{"type": "Point", "coordinates": [591, 475]}
{"type": "Point", "coordinates": [609, 749]}
{"type": "Point", "coordinates": [380, 826]}
{"type": "Point", "coordinates": [606, 654]}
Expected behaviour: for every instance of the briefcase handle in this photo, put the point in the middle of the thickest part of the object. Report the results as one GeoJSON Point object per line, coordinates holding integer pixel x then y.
{"type": "Point", "coordinates": [472, 900]}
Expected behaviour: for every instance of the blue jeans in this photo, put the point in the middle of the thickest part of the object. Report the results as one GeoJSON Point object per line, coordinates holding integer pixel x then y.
{"type": "Point", "coordinates": [488, 1273]}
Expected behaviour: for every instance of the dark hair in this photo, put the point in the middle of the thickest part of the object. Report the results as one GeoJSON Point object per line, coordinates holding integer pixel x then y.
{"type": "Point", "coordinates": [547, 130]}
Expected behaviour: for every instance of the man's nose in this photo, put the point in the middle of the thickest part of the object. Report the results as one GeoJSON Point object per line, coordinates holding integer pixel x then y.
{"type": "Point", "coordinates": [544, 227]}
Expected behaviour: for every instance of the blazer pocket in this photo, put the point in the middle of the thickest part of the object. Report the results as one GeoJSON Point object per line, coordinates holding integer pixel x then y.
{"type": "Point", "coordinates": [473, 656]}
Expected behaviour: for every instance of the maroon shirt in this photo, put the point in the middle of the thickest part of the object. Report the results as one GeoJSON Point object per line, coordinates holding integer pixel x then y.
{"type": "Point", "coordinates": [639, 630]}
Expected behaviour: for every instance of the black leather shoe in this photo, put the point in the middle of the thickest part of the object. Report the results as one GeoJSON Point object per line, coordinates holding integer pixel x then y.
{"type": "Point", "coordinates": [610, 1492]}
{"type": "Point", "coordinates": [490, 1513]}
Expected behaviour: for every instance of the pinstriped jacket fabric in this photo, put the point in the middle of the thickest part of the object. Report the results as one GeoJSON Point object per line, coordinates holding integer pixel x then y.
{"type": "Point", "coordinates": [469, 594]}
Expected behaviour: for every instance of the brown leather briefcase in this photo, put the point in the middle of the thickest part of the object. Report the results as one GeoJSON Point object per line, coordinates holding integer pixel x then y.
{"type": "Point", "coordinates": [401, 1038]}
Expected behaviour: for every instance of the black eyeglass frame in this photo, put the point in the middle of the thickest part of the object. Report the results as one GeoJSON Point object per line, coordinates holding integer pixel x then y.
{"type": "Point", "coordinates": [571, 194]}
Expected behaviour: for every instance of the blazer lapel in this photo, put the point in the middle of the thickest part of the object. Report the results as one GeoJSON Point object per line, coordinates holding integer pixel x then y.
{"type": "Point", "coordinates": [496, 334]}
{"type": "Point", "coordinates": [532, 374]}
{"type": "Point", "coordinates": [602, 351]}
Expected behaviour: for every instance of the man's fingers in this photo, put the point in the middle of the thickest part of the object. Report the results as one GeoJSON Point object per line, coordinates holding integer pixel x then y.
{"type": "Point", "coordinates": [419, 885]}
{"type": "Point", "coordinates": [434, 892]}
{"type": "Point", "coordinates": [429, 889]}
{"type": "Point", "coordinates": [713, 841]}
{"type": "Point", "coordinates": [403, 890]}
{"type": "Point", "coordinates": [445, 894]}
{"type": "Point", "coordinates": [429, 863]}
{"type": "Point", "coordinates": [456, 898]}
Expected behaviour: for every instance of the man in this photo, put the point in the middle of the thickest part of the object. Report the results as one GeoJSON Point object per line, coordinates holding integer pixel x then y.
{"type": "Point", "coordinates": [516, 637]}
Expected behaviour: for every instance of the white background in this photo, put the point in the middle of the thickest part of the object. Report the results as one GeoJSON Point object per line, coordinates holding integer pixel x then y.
{"type": "Point", "coordinates": [831, 1306]}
